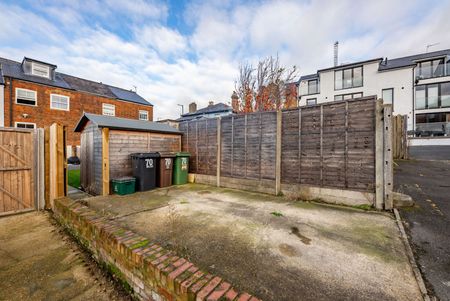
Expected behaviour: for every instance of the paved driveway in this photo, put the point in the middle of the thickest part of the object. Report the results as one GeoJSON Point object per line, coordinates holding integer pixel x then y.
{"type": "Point", "coordinates": [39, 262]}
{"type": "Point", "coordinates": [275, 248]}
{"type": "Point", "coordinates": [428, 223]}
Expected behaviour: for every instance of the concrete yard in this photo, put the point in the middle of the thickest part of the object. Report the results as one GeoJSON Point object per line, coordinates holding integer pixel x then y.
{"type": "Point", "coordinates": [273, 247]}
{"type": "Point", "coordinates": [39, 262]}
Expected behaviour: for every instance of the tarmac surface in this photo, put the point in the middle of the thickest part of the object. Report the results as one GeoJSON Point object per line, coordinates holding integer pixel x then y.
{"type": "Point", "coordinates": [428, 222]}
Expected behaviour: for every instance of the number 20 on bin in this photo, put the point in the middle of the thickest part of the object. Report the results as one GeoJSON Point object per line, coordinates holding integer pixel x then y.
{"type": "Point", "coordinates": [148, 163]}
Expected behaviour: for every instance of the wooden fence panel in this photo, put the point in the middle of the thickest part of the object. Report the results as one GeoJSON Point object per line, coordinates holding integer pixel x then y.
{"type": "Point", "coordinates": [361, 145]}
{"type": "Point", "coordinates": [290, 146]}
{"type": "Point", "coordinates": [334, 145]}
{"type": "Point", "coordinates": [329, 145]}
{"type": "Point", "coordinates": [310, 163]}
{"type": "Point", "coordinates": [17, 170]}
{"type": "Point", "coordinates": [268, 145]}
{"type": "Point", "coordinates": [400, 143]}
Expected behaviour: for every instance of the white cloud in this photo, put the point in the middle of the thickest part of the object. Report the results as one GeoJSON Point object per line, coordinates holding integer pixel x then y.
{"type": "Point", "coordinates": [165, 40]}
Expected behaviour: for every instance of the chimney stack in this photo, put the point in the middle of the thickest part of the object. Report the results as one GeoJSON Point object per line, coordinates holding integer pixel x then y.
{"type": "Point", "coordinates": [192, 107]}
{"type": "Point", "coordinates": [235, 101]}
{"type": "Point", "coordinates": [336, 53]}
{"type": "Point", "coordinates": [210, 103]}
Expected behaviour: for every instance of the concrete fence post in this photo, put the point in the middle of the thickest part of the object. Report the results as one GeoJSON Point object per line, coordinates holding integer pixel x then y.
{"type": "Point", "coordinates": [379, 155]}
{"type": "Point", "coordinates": [219, 149]}
{"type": "Point", "coordinates": [278, 154]}
{"type": "Point", "coordinates": [388, 157]}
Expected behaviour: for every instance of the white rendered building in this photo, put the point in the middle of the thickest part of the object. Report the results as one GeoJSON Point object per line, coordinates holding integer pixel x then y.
{"type": "Point", "coordinates": [418, 86]}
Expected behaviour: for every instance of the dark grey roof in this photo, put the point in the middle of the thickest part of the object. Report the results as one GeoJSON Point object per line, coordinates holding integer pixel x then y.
{"type": "Point", "coordinates": [411, 60]}
{"type": "Point", "coordinates": [14, 69]}
{"type": "Point", "coordinates": [2, 82]}
{"type": "Point", "coordinates": [216, 108]}
{"type": "Point", "coordinates": [124, 124]}
{"type": "Point", "coordinates": [350, 65]}
{"type": "Point", "coordinates": [309, 76]}
{"type": "Point", "coordinates": [128, 95]}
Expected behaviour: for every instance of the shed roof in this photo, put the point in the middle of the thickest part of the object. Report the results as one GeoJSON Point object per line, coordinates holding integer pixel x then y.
{"type": "Point", "coordinates": [118, 123]}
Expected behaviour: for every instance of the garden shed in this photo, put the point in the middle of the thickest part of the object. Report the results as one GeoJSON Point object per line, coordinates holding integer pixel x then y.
{"type": "Point", "coordinates": [107, 142]}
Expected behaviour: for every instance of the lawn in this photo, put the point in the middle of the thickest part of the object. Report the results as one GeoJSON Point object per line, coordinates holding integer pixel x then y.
{"type": "Point", "coordinates": [74, 178]}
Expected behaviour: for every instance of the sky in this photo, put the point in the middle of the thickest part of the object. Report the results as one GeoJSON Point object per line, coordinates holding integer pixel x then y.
{"type": "Point", "coordinates": [176, 52]}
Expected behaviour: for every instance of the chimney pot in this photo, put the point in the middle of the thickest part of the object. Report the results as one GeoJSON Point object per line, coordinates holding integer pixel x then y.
{"type": "Point", "coordinates": [192, 107]}
{"type": "Point", "coordinates": [210, 103]}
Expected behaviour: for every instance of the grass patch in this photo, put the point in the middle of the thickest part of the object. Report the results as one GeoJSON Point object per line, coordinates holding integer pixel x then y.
{"type": "Point", "coordinates": [74, 178]}
{"type": "Point", "coordinates": [365, 207]}
{"type": "Point", "coordinates": [277, 214]}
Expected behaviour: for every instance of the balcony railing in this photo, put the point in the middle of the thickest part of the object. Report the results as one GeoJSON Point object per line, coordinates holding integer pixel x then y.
{"type": "Point", "coordinates": [433, 129]}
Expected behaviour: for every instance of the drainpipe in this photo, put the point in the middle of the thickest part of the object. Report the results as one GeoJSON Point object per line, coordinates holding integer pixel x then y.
{"type": "Point", "coordinates": [10, 103]}
{"type": "Point", "coordinates": [413, 99]}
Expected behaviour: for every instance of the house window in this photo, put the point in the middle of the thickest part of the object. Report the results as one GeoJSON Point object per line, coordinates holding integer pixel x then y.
{"type": "Point", "coordinates": [311, 101]}
{"type": "Point", "coordinates": [313, 86]}
{"type": "Point", "coordinates": [348, 78]}
{"type": "Point", "coordinates": [109, 109]}
{"type": "Point", "coordinates": [59, 102]}
{"type": "Point", "coordinates": [388, 95]}
{"type": "Point", "coordinates": [26, 97]}
{"type": "Point", "coordinates": [40, 70]}
{"type": "Point", "coordinates": [143, 115]}
{"type": "Point", "coordinates": [25, 125]}
{"type": "Point", "coordinates": [433, 96]}
{"type": "Point", "coordinates": [348, 96]}
{"type": "Point", "coordinates": [430, 69]}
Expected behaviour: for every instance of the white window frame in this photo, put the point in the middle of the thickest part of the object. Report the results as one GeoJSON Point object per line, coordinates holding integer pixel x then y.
{"type": "Point", "coordinates": [145, 112]}
{"type": "Point", "coordinates": [24, 104]}
{"type": "Point", "coordinates": [63, 96]}
{"type": "Point", "coordinates": [33, 64]}
{"type": "Point", "coordinates": [111, 107]}
{"type": "Point", "coordinates": [17, 122]}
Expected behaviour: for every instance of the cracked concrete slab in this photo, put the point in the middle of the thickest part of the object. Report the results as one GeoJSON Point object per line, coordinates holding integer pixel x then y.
{"type": "Point", "coordinates": [274, 247]}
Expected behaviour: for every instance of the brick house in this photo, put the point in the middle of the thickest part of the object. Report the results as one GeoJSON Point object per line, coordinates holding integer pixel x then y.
{"type": "Point", "coordinates": [33, 95]}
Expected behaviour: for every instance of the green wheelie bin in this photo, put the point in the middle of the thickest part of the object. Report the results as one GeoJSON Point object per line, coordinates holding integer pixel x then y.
{"type": "Point", "coordinates": [181, 168]}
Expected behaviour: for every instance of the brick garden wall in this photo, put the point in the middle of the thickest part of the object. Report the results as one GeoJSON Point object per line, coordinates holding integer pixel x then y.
{"type": "Point", "coordinates": [80, 102]}
{"type": "Point", "coordinates": [148, 270]}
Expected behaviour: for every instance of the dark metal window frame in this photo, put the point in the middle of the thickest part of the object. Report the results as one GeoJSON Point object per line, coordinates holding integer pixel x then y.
{"type": "Point", "coordinates": [353, 77]}
{"type": "Point", "coordinates": [393, 98]}
{"type": "Point", "coordinates": [426, 96]}
{"type": "Point", "coordinates": [308, 99]}
{"type": "Point", "coordinates": [317, 85]}
{"type": "Point", "coordinates": [352, 94]}
{"type": "Point", "coordinates": [431, 61]}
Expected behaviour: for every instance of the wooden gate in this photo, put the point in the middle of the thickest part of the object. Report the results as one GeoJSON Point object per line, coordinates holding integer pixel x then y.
{"type": "Point", "coordinates": [17, 170]}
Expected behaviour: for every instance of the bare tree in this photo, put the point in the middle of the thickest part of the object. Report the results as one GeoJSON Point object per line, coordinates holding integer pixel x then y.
{"type": "Point", "coordinates": [266, 87]}
{"type": "Point", "coordinates": [245, 87]}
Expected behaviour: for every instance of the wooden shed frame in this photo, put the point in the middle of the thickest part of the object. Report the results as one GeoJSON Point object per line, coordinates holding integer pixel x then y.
{"type": "Point", "coordinates": [107, 142]}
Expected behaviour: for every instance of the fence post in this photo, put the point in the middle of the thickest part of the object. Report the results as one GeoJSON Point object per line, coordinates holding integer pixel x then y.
{"type": "Point", "coordinates": [379, 155]}
{"type": "Point", "coordinates": [47, 167]}
{"type": "Point", "coordinates": [219, 149]}
{"type": "Point", "coordinates": [105, 161]}
{"type": "Point", "coordinates": [58, 171]}
{"type": "Point", "coordinates": [278, 154]}
{"type": "Point", "coordinates": [388, 157]}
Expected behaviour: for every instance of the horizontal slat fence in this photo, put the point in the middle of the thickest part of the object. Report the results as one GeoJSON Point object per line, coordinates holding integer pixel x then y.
{"type": "Point", "coordinates": [329, 145]}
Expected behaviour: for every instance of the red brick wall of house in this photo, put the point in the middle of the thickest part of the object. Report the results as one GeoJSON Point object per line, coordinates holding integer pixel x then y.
{"type": "Point", "coordinates": [80, 102]}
